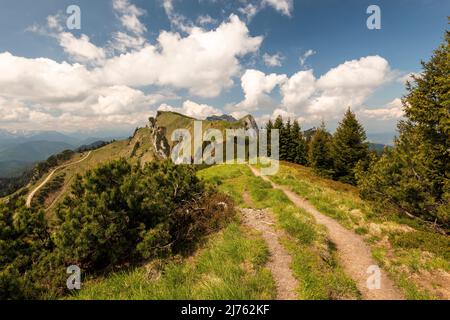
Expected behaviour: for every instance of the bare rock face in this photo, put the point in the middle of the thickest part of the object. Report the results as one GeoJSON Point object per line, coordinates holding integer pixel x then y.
{"type": "Point", "coordinates": [161, 144]}
{"type": "Point", "coordinates": [152, 123]}
{"type": "Point", "coordinates": [250, 123]}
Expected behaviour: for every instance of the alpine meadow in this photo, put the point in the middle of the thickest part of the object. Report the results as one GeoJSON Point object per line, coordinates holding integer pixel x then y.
{"type": "Point", "coordinates": [221, 156]}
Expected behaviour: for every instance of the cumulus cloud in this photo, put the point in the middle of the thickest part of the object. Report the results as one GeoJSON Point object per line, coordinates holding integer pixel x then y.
{"type": "Point", "coordinates": [117, 100]}
{"type": "Point", "coordinates": [392, 110]}
{"type": "Point", "coordinates": [257, 86]}
{"type": "Point", "coordinates": [192, 109]}
{"type": "Point", "coordinates": [207, 66]}
{"type": "Point", "coordinates": [298, 89]}
{"type": "Point", "coordinates": [272, 60]}
{"type": "Point", "coordinates": [78, 49]}
{"type": "Point", "coordinates": [81, 49]}
{"type": "Point", "coordinates": [306, 97]}
{"type": "Point", "coordinates": [209, 62]}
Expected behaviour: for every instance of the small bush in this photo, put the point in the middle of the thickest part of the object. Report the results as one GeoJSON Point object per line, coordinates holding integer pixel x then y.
{"type": "Point", "coordinates": [425, 241]}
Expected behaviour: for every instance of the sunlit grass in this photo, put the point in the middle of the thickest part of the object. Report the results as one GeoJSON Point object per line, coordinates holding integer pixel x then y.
{"type": "Point", "coordinates": [231, 266]}
{"type": "Point", "coordinates": [404, 247]}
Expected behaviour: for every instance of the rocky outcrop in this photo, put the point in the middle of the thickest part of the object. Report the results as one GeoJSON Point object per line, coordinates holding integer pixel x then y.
{"type": "Point", "coordinates": [160, 143]}
{"type": "Point", "coordinates": [250, 123]}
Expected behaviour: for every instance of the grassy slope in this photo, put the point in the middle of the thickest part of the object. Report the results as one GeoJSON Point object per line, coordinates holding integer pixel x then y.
{"type": "Point", "coordinates": [143, 152]}
{"type": "Point", "coordinates": [417, 258]}
{"type": "Point", "coordinates": [231, 263]}
{"type": "Point", "coordinates": [172, 121]}
{"type": "Point", "coordinates": [314, 259]}
{"type": "Point", "coordinates": [229, 266]}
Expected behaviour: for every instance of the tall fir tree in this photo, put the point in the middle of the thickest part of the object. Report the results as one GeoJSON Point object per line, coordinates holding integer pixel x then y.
{"type": "Point", "coordinates": [288, 142]}
{"type": "Point", "coordinates": [415, 174]}
{"type": "Point", "coordinates": [279, 124]}
{"type": "Point", "coordinates": [269, 127]}
{"type": "Point", "coordinates": [319, 153]}
{"type": "Point", "coordinates": [349, 147]}
{"type": "Point", "coordinates": [299, 144]}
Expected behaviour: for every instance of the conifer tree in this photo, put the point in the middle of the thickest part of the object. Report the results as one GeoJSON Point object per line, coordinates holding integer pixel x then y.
{"type": "Point", "coordinates": [299, 146]}
{"type": "Point", "coordinates": [414, 175]}
{"type": "Point", "coordinates": [319, 153]}
{"type": "Point", "coordinates": [269, 127]}
{"type": "Point", "coordinates": [349, 147]}
{"type": "Point", "coordinates": [278, 124]}
{"type": "Point", "coordinates": [288, 142]}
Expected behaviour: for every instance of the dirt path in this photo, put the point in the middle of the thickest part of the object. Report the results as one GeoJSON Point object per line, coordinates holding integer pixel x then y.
{"type": "Point", "coordinates": [32, 193]}
{"type": "Point", "coordinates": [279, 260]}
{"type": "Point", "coordinates": [355, 256]}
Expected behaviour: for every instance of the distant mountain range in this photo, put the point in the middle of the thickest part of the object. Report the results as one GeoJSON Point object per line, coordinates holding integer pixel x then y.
{"type": "Point", "coordinates": [20, 150]}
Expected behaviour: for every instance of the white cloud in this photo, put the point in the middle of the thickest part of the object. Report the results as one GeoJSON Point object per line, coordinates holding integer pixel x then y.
{"type": "Point", "coordinates": [206, 20]}
{"type": "Point", "coordinates": [54, 22]}
{"type": "Point", "coordinates": [43, 80]}
{"type": "Point", "coordinates": [66, 93]}
{"type": "Point", "coordinates": [239, 114]}
{"type": "Point", "coordinates": [257, 86]}
{"type": "Point", "coordinates": [392, 110]}
{"type": "Point", "coordinates": [122, 42]}
{"type": "Point", "coordinates": [403, 79]}
{"type": "Point", "coordinates": [272, 60]}
{"type": "Point", "coordinates": [349, 84]}
{"type": "Point", "coordinates": [208, 62]}
{"type": "Point", "coordinates": [251, 8]}
{"type": "Point", "coordinates": [177, 20]}
{"type": "Point", "coordinates": [80, 49]}
{"type": "Point", "coordinates": [193, 109]}
{"type": "Point", "coordinates": [283, 6]}
{"type": "Point", "coordinates": [305, 56]}
{"type": "Point", "coordinates": [129, 16]}
{"type": "Point", "coordinates": [297, 91]}
{"type": "Point", "coordinates": [118, 100]}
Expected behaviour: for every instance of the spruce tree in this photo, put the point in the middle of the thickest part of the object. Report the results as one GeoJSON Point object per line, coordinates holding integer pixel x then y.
{"type": "Point", "coordinates": [288, 142]}
{"type": "Point", "coordinates": [278, 124]}
{"type": "Point", "coordinates": [269, 127]}
{"type": "Point", "coordinates": [319, 153]}
{"type": "Point", "coordinates": [349, 147]}
{"type": "Point", "coordinates": [299, 145]}
{"type": "Point", "coordinates": [414, 175]}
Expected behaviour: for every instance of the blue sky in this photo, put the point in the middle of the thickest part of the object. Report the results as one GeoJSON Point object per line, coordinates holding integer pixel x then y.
{"type": "Point", "coordinates": [133, 57]}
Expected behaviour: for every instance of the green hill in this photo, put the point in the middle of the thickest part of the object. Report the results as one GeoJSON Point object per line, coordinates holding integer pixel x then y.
{"type": "Point", "coordinates": [144, 146]}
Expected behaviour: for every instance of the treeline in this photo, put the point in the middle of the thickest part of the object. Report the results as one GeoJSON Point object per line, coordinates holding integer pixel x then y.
{"type": "Point", "coordinates": [334, 156]}
{"type": "Point", "coordinates": [414, 175]}
{"type": "Point", "coordinates": [116, 215]}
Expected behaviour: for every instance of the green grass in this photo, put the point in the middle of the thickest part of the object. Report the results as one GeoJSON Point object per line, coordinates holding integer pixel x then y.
{"type": "Point", "coordinates": [314, 260]}
{"type": "Point", "coordinates": [231, 266]}
{"type": "Point", "coordinates": [404, 247]}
